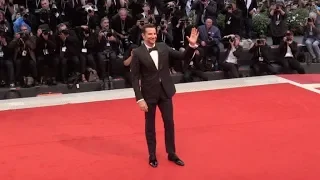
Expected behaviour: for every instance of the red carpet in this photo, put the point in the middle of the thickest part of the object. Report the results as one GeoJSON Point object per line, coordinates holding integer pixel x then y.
{"type": "Point", "coordinates": [302, 78]}
{"type": "Point", "coordinates": [255, 133]}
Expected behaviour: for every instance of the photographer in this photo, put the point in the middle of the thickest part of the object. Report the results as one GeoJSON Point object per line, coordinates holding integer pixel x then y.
{"type": "Point", "coordinates": [107, 47]}
{"type": "Point", "coordinates": [261, 58]}
{"type": "Point", "coordinates": [87, 39]}
{"type": "Point", "coordinates": [127, 58]}
{"type": "Point", "coordinates": [209, 36]}
{"type": "Point", "coordinates": [193, 67]}
{"type": "Point", "coordinates": [6, 64]}
{"type": "Point", "coordinates": [164, 33]}
{"type": "Point", "coordinates": [121, 23]}
{"type": "Point", "coordinates": [182, 28]}
{"type": "Point", "coordinates": [23, 16]}
{"type": "Point", "coordinates": [230, 64]}
{"type": "Point", "coordinates": [89, 18]}
{"type": "Point", "coordinates": [47, 15]}
{"type": "Point", "coordinates": [288, 49]}
{"type": "Point", "coordinates": [23, 46]}
{"type": "Point", "coordinates": [278, 24]}
{"type": "Point", "coordinates": [311, 35]}
{"type": "Point", "coordinates": [205, 9]}
{"type": "Point", "coordinates": [135, 32]}
{"type": "Point", "coordinates": [45, 53]}
{"type": "Point", "coordinates": [232, 22]}
{"type": "Point", "coordinates": [68, 48]}
{"type": "Point", "coordinates": [146, 14]}
{"type": "Point", "coordinates": [5, 26]}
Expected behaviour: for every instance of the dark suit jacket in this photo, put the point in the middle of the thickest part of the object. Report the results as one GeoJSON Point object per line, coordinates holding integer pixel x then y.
{"type": "Point", "coordinates": [265, 52]}
{"type": "Point", "coordinates": [144, 69]}
{"type": "Point", "coordinates": [236, 53]}
{"type": "Point", "coordinates": [241, 4]}
{"type": "Point", "coordinates": [283, 48]}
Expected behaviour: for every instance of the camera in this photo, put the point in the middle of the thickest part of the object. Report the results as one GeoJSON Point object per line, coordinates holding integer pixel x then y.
{"type": "Point", "coordinates": [172, 8]}
{"type": "Point", "coordinates": [107, 33]}
{"type": "Point", "coordinates": [141, 23]}
{"type": "Point", "coordinates": [45, 32]}
{"type": "Point", "coordinates": [162, 25]}
{"type": "Point", "coordinates": [86, 31]}
{"type": "Point", "coordinates": [228, 6]}
{"type": "Point", "coordinates": [288, 36]}
{"type": "Point", "coordinates": [209, 37]}
{"type": "Point", "coordinates": [310, 20]}
{"type": "Point", "coordinates": [64, 31]}
{"type": "Point", "coordinates": [89, 8]}
{"type": "Point", "coordinates": [2, 31]}
{"type": "Point", "coordinates": [24, 35]}
{"type": "Point", "coordinates": [229, 38]}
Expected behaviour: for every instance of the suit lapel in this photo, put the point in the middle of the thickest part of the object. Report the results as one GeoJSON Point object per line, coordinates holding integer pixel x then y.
{"type": "Point", "coordinates": [160, 55]}
{"type": "Point", "coordinates": [148, 56]}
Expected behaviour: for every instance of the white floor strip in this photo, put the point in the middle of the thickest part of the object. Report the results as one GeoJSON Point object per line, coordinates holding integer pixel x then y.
{"type": "Point", "coordinates": [304, 86]}
{"type": "Point", "coordinates": [128, 93]}
{"type": "Point", "coordinates": [312, 85]}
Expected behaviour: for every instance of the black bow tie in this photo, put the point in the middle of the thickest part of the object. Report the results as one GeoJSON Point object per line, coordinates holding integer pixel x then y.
{"type": "Point", "coordinates": [152, 49]}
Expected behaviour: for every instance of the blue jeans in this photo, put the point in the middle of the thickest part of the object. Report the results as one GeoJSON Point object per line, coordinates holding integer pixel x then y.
{"type": "Point", "coordinates": [313, 47]}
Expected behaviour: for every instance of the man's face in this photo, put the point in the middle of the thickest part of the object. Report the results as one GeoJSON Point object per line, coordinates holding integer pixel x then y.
{"type": "Point", "coordinates": [146, 8]}
{"type": "Point", "coordinates": [236, 41]}
{"type": "Point", "coordinates": [105, 24]}
{"type": "Point", "coordinates": [150, 35]}
{"type": "Point", "coordinates": [123, 15]}
{"type": "Point", "coordinates": [209, 23]}
{"type": "Point", "coordinates": [45, 4]}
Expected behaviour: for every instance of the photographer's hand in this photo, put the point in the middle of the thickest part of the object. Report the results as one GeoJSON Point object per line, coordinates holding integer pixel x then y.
{"type": "Point", "coordinates": [111, 38]}
{"type": "Point", "coordinates": [45, 37]}
{"type": "Point", "coordinates": [165, 31]}
{"type": "Point", "coordinates": [3, 41]}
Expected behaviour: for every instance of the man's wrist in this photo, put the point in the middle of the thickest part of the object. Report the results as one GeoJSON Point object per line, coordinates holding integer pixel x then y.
{"type": "Point", "coordinates": [194, 46]}
{"type": "Point", "coordinates": [140, 100]}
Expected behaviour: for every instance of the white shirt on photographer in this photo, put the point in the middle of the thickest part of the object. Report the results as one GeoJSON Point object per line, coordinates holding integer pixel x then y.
{"type": "Point", "coordinates": [231, 58]}
{"type": "Point", "coordinates": [289, 52]}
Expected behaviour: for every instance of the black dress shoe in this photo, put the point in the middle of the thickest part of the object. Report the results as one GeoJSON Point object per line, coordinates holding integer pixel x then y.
{"type": "Point", "coordinates": [153, 162]}
{"type": "Point", "coordinates": [174, 158]}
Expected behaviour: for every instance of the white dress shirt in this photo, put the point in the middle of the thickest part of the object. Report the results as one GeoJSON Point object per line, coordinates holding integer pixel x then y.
{"type": "Point", "coordinates": [289, 52]}
{"type": "Point", "coordinates": [154, 56]}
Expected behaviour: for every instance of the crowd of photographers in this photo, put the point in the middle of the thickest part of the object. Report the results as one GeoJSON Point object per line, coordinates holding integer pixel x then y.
{"type": "Point", "coordinates": [50, 41]}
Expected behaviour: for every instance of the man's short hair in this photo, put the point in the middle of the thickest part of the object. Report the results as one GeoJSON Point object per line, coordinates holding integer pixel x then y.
{"type": "Point", "coordinates": [146, 26]}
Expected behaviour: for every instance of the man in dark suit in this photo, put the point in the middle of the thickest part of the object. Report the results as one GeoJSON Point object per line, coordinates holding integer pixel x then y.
{"type": "Point", "coordinates": [289, 51]}
{"type": "Point", "coordinates": [154, 87]}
